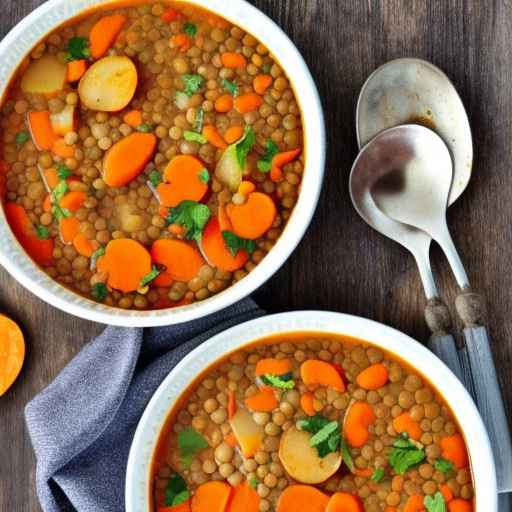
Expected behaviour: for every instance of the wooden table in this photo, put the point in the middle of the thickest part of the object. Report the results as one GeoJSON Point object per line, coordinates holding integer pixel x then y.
{"type": "Point", "coordinates": [341, 264]}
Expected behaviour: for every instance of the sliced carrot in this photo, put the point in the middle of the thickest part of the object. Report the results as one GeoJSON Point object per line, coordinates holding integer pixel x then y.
{"type": "Point", "coordinates": [176, 229]}
{"type": "Point", "coordinates": [215, 250]}
{"type": "Point", "coordinates": [163, 212]}
{"type": "Point", "coordinates": [104, 33]}
{"type": "Point", "coordinates": [224, 222]}
{"type": "Point", "coordinates": [373, 377]}
{"type": "Point", "coordinates": [181, 260]}
{"type": "Point", "coordinates": [231, 404]}
{"type": "Point", "coordinates": [47, 203]}
{"type": "Point", "coordinates": [306, 402]}
{"type": "Point", "coordinates": [414, 504]}
{"type": "Point", "coordinates": [253, 218]}
{"type": "Point", "coordinates": [52, 177]}
{"type": "Point", "coordinates": [171, 14]}
{"type": "Point", "coordinates": [76, 69]}
{"type": "Point", "coordinates": [344, 502]}
{"type": "Point", "coordinates": [181, 41]}
{"type": "Point", "coordinates": [133, 118]}
{"type": "Point", "coordinates": [73, 201]}
{"type": "Point", "coordinates": [244, 499]}
{"type": "Point", "coordinates": [41, 129]}
{"type": "Point", "coordinates": [69, 227]}
{"type": "Point", "coordinates": [460, 505]}
{"type": "Point", "coordinates": [319, 373]}
{"type": "Point", "coordinates": [126, 159]}
{"type": "Point", "coordinates": [41, 251]}
{"type": "Point", "coordinates": [276, 174]}
{"type": "Point", "coordinates": [231, 440]}
{"type": "Point", "coordinates": [453, 449]}
{"type": "Point", "coordinates": [212, 135]}
{"type": "Point", "coordinates": [246, 188]}
{"type": "Point", "coordinates": [182, 507]}
{"type": "Point", "coordinates": [390, 509]}
{"type": "Point", "coordinates": [263, 401]}
{"type": "Point", "coordinates": [211, 497]}
{"type": "Point", "coordinates": [233, 133]}
{"type": "Point", "coordinates": [12, 352]}
{"type": "Point", "coordinates": [248, 102]}
{"type": "Point", "coordinates": [60, 148]}
{"type": "Point", "coordinates": [261, 83]}
{"type": "Point", "coordinates": [233, 60]}
{"type": "Point", "coordinates": [271, 366]}
{"type": "Point", "coordinates": [125, 262]}
{"type": "Point", "coordinates": [302, 498]}
{"type": "Point", "coordinates": [182, 178]}
{"type": "Point", "coordinates": [282, 159]}
{"type": "Point", "coordinates": [84, 246]}
{"type": "Point", "coordinates": [446, 492]}
{"type": "Point", "coordinates": [365, 473]}
{"type": "Point", "coordinates": [224, 103]}
{"type": "Point", "coordinates": [405, 423]}
{"type": "Point", "coordinates": [358, 418]}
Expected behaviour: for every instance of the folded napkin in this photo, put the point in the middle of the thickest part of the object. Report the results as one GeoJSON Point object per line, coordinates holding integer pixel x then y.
{"type": "Point", "coordinates": [82, 425]}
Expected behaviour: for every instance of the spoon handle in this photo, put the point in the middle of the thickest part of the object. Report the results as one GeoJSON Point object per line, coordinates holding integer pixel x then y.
{"type": "Point", "coordinates": [444, 239]}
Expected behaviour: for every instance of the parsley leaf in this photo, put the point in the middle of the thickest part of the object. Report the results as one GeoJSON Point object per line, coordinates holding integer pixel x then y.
{"type": "Point", "coordinates": [176, 491]}
{"type": "Point", "coordinates": [59, 191]}
{"type": "Point", "coordinates": [190, 443]}
{"type": "Point", "coordinates": [194, 137]}
{"type": "Point", "coordinates": [326, 434]}
{"type": "Point", "coordinates": [435, 504]}
{"type": "Point", "coordinates": [271, 150]}
{"type": "Point", "coordinates": [99, 291]}
{"type": "Point", "coordinates": [377, 475]}
{"type": "Point", "coordinates": [145, 128]}
{"type": "Point", "coordinates": [253, 482]}
{"type": "Point", "coordinates": [443, 465]}
{"type": "Point", "coordinates": [347, 456]}
{"type": "Point", "coordinates": [60, 213]}
{"type": "Point", "coordinates": [77, 49]}
{"type": "Point", "coordinates": [95, 255]}
{"type": "Point", "coordinates": [234, 243]}
{"type": "Point", "coordinates": [405, 455]}
{"type": "Point", "coordinates": [244, 145]}
{"type": "Point", "coordinates": [231, 87]}
{"type": "Point", "coordinates": [21, 138]}
{"type": "Point", "coordinates": [204, 175]}
{"type": "Point", "coordinates": [198, 123]}
{"type": "Point", "coordinates": [155, 272]}
{"type": "Point", "coordinates": [42, 232]}
{"type": "Point", "coordinates": [190, 29]}
{"type": "Point", "coordinates": [192, 84]}
{"type": "Point", "coordinates": [155, 177]}
{"type": "Point", "coordinates": [279, 381]}
{"type": "Point", "coordinates": [63, 171]}
{"type": "Point", "coordinates": [192, 215]}
{"type": "Point", "coordinates": [323, 434]}
{"type": "Point", "coordinates": [57, 194]}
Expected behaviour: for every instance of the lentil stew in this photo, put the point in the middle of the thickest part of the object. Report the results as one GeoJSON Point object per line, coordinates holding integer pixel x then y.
{"type": "Point", "coordinates": [309, 422]}
{"type": "Point", "coordinates": [151, 154]}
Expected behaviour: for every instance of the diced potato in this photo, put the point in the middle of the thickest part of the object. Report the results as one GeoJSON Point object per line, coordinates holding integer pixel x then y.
{"type": "Point", "coordinates": [248, 433]}
{"type": "Point", "coordinates": [109, 84]}
{"type": "Point", "coordinates": [130, 221]}
{"type": "Point", "coordinates": [302, 462]}
{"type": "Point", "coordinates": [228, 170]}
{"type": "Point", "coordinates": [64, 121]}
{"type": "Point", "coordinates": [46, 75]}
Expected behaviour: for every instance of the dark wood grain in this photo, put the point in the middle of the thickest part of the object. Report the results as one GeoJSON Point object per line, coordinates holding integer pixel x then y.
{"type": "Point", "coordinates": [341, 264]}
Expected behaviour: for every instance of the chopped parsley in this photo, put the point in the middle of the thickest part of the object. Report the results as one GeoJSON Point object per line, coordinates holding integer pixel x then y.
{"type": "Point", "coordinates": [326, 434]}
{"type": "Point", "coordinates": [192, 215]}
{"type": "Point", "coordinates": [42, 232]}
{"type": "Point", "coordinates": [155, 272]}
{"type": "Point", "coordinates": [443, 465]}
{"type": "Point", "coordinates": [57, 194]}
{"type": "Point", "coordinates": [155, 177]}
{"type": "Point", "coordinates": [63, 171]}
{"type": "Point", "coordinates": [279, 381]}
{"type": "Point", "coordinates": [198, 123]}
{"type": "Point", "coordinates": [231, 87]}
{"type": "Point", "coordinates": [192, 84]}
{"type": "Point", "coordinates": [190, 29]}
{"type": "Point", "coordinates": [176, 491]}
{"type": "Point", "coordinates": [145, 128]}
{"type": "Point", "coordinates": [405, 455]}
{"type": "Point", "coordinates": [99, 291]}
{"type": "Point", "coordinates": [21, 138]}
{"type": "Point", "coordinates": [235, 244]}
{"type": "Point", "coordinates": [95, 255]}
{"type": "Point", "coordinates": [253, 482]}
{"type": "Point", "coordinates": [204, 175]}
{"type": "Point", "coordinates": [194, 137]}
{"type": "Point", "coordinates": [244, 145]}
{"type": "Point", "coordinates": [190, 443]}
{"type": "Point", "coordinates": [377, 475]}
{"type": "Point", "coordinates": [347, 456]}
{"type": "Point", "coordinates": [77, 49]}
{"type": "Point", "coordinates": [271, 150]}
{"type": "Point", "coordinates": [436, 503]}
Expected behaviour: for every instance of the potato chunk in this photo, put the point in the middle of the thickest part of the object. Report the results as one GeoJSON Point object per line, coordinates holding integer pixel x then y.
{"type": "Point", "coordinates": [109, 84]}
{"type": "Point", "coordinates": [46, 75]}
{"type": "Point", "coordinates": [248, 433]}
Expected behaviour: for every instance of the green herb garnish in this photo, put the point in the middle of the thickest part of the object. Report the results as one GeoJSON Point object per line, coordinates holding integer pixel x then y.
{"type": "Point", "coordinates": [77, 49]}
{"type": "Point", "coordinates": [347, 456]}
{"type": "Point", "coordinates": [326, 434]}
{"type": "Point", "coordinates": [436, 503]}
{"type": "Point", "coordinates": [194, 137]}
{"type": "Point", "coordinates": [198, 123]}
{"type": "Point", "coordinates": [42, 232]}
{"type": "Point", "coordinates": [155, 177]}
{"type": "Point", "coordinates": [204, 175]}
{"type": "Point", "coordinates": [99, 291]}
{"type": "Point", "coordinates": [176, 491]}
{"type": "Point", "coordinates": [21, 138]}
{"type": "Point", "coordinates": [377, 475]}
{"type": "Point", "coordinates": [63, 171]}
{"type": "Point", "coordinates": [155, 272]}
{"type": "Point", "coordinates": [405, 455]}
{"type": "Point", "coordinates": [253, 482]}
{"type": "Point", "coordinates": [234, 243]}
{"type": "Point", "coordinates": [271, 150]}
{"type": "Point", "coordinates": [231, 87]}
{"type": "Point", "coordinates": [57, 194]}
{"type": "Point", "coordinates": [145, 128]}
{"type": "Point", "coordinates": [192, 215]}
{"type": "Point", "coordinates": [443, 465]}
{"type": "Point", "coordinates": [244, 145]}
{"type": "Point", "coordinates": [95, 255]}
{"type": "Point", "coordinates": [190, 443]}
{"type": "Point", "coordinates": [192, 84]}
{"type": "Point", "coordinates": [190, 29]}
{"type": "Point", "coordinates": [279, 381]}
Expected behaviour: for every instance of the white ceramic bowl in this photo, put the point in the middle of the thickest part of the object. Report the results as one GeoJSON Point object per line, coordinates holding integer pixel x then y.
{"type": "Point", "coordinates": [18, 43]}
{"type": "Point", "coordinates": [482, 463]}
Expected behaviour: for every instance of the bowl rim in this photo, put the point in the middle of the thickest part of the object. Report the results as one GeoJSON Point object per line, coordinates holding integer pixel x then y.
{"type": "Point", "coordinates": [399, 344]}
{"type": "Point", "coordinates": [52, 14]}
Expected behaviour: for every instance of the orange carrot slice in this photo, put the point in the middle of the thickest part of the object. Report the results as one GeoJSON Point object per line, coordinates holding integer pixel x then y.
{"type": "Point", "coordinates": [233, 60]}
{"type": "Point", "coordinates": [231, 404]}
{"type": "Point", "coordinates": [41, 129]}
{"type": "Point", "coordinates": [125, 262]}
{"type": "Point", "coordinates": [231, 440]}
{"type": "Point", "coordinates": [84, 246]}
{"type": "Point", "coordinates": [301, 498]}
{"type": "Point", "coordinates": [246, 188]}
{"type": "Point", "coordinates": [211, 497]}
{"type": "Point", "coordinates": [12, 352]}
{"type": "Point", "coordinates": [215, 250]}
{"type": "Point", "coordinates": [69, 227]}
{"type": "Point", "coordinates": [319, 373]}
{"type": "Point", "coordinates": [261, 83]}
{"type": "Point", "coordinates": [212, 135]}
{"type": "Point", "coordinates": [263, 401]}
{"type": "Point", "coordinates": [365, 473]}
{"type": "Point", "coordinates": [344, 502]}
{"type": "Point", "coordinates": [171, 14]}
{"type": "Point", "coordinates": [253, 218]}
{"type": "Point", "coordinates": [181, 259]}
{"type": "Point", "coordinates": [104, 33]}
{"type": "Point", "coordinates": [244, 499]}
{"type": "Point", "coordinates": [52, 177]}
{"type": "Point", "coordinates": [460, 505]}
{"type": "Point", "coordinates": [454, 449]}
{"type": "Point", "coordinates": [73, 201]}
{"type": "Point", "coordinates": [271, 366]}
{"type": "Point", "coordinates": [76, 69]}
{"type": "Point", "coordinates": [306, 402]}
{"type": "Point", "coordinates": [248, 102]}
{"type": "Point", "coordinates": [224, 103]}
{"type": "Point", "coordinates": [405, 423]}
{"type": "Point", "coordinates": [133, 118]}
{"type": "Point", "coordinates": [414, 504]}
{"type": "Point", "coordinates": [282, 159]}
{"type": "Point", "coordinates": [224, 222]}
{"type": "Point", "coordinates": [41, 251]}
{"type": "Point", "coordinates": [181, 41]}
{"type": "Point", "coordinates": [358, 418]}
{"type": "Point", "coordinates": [60, 148]}
{"type": "Point", "coordinates": [373, 377]}
{"type": "Point", "coordinates": [446, 492]}
{"type": "Point", "coordinates": [126, 159]}
{"type": "Point", "coordinates": [233, 134]}
{"type": "Point", "coordinates": [47, 204]}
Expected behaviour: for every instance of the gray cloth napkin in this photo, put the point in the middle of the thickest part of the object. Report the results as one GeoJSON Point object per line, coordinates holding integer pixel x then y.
{"type": "Point", "coordinates": [82, 424]}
